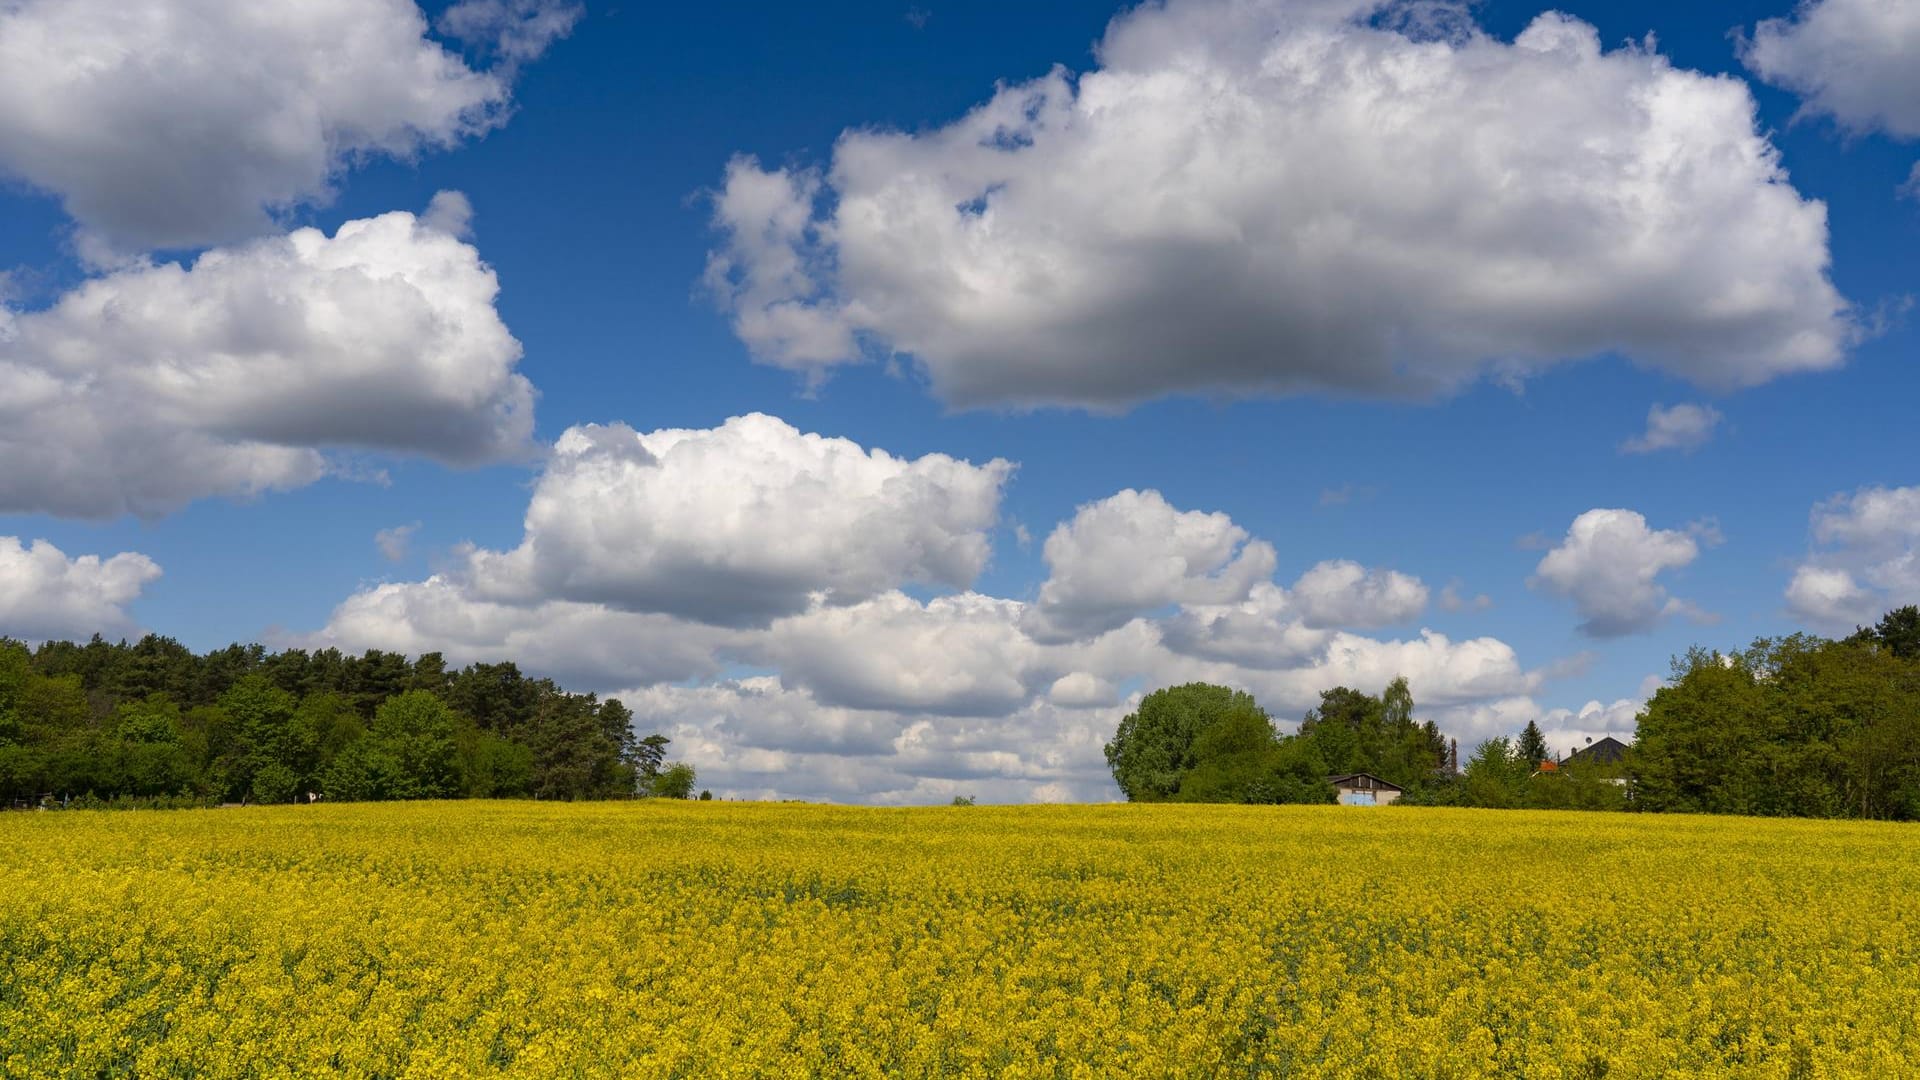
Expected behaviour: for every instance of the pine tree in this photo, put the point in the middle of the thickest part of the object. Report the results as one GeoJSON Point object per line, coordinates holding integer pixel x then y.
{"type": "Point", "coordinates": [1532, 747]}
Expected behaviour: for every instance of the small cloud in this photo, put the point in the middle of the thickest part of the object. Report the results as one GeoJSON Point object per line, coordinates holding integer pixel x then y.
{"type": "Point", "coordinates": [1683, 427]}
{"type": "Point", "coordinates": [517, 31]}
{"type": "Point", "coordinates": [1690, 611]}
{"type": "Point", "coordinates": [1342, 593]}
{"type": "Point", "coordinates": [450, 213]}
{"type": "Point", "coordinates": [1022, 535]}
{"type": "Point", "coordinates": [1453, 597]}
{"type": "Point", "coordinates": [357, 469]}
{"type": "Point", "coordinates": [1911, 189]}
{"type": "Point", "coordinates": [1571, 667]}
{"type": "Point", "coordinates": [1707, 531]}
{"type": "Point", "coordinates": [395, 542]}
{"type": "Point", "coordinates": [1344, 494]}
{"type": "Point", "coordinates": [1534, 541]}
{"type": "Point", "coordinates": [918, 17]}
{"type": "Point", "coordinates": [1888, 315]}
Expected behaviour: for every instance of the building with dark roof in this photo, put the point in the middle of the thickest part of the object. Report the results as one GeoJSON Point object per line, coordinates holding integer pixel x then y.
{"type": "Point", "coordinates": [1608, 751]}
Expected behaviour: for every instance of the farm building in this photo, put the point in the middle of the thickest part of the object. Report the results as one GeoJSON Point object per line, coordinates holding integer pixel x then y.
{"type": "Point", "coordinates": [1364, 789]}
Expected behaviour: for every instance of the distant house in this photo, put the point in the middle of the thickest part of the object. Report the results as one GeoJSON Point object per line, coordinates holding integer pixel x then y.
{"type": "Point", "coordinates": [1364, 789]}
{"type": "Point", "coordinates": [1608, 751]}
{"type": "Point", "coordinates": [1602, 760]}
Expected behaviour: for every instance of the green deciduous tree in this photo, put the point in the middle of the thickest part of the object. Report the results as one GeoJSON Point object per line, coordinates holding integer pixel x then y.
{"type": "Point", "coordinates": [674, 782]}
{"type": "Point", "coordinates": [1153, 749]}
{"type": "Point", "coordinates": [1356, 732]}
{"type": "Point", "coordinates": [418, 729]}
{"type": "Point", "coordinates": [260, 716]}
{"type": "Point", "coordinates": [493, 767]}
{"type": "Point", "coordinates": [1496, 775]}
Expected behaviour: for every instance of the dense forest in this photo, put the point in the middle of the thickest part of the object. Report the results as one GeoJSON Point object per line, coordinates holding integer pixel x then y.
{"type": "Point", "coordinates": [1794, 726]}
{"type": "Point", "coordinates": [152, 723]}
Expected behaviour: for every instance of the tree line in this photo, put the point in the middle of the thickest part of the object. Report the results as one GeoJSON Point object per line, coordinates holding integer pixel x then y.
{"type": "Point", "coordinates": [1205, 743]}
{"type": "Point", "coordinates": [1790, 726]}
{"type": "Point", "coordinates": [1797, 725]}
{"type": "Point", "coordinates": [153, 723]}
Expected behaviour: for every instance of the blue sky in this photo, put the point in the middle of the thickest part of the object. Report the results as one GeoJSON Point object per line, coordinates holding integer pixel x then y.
{"type": "Point", "coordinates": [596, 187]}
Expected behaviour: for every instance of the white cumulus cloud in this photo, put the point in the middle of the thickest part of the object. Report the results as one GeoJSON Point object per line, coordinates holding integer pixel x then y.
{"type": "Point", "coordinates": [1852, 60]}
{"type": "Point", "coordinates": [1471, 724]}
{"type": "Point", "coordinates": [1441, 671]}
{"type": "Point", "coordinates": [963, 654]}
{"type": "Point", "coordinates": [741, 523]}
{"type": "Point", "coordinates": [1830, 597]}
{"type": "Point", "coordinates": [1079, 690]}
{"type": "Point", "coordinates": [1264, 631]}
{"type": "Point", "coordinates": [1133, 552]}
{"type": "Point", "coordinates": [1608, 565]}
{"type": "Point", "coordinates": [1866, 559]}
{"type": "Point", "coordinates": [158, 384]}
{"type": "Point", "coordinates": [46, 595]}
{"type": "Point", "coordinates": [181, 123]}
{"type": "Point", "coordinates": [1342, 593]}
{"type": "Point", "coordinates": [590, 646]}
{"type": "Point", "coordinates": [758, 738]}
{"type": "Point", "coordinates": [1569, 730]}
{"type": "Point", "coordinates": [1268, 197]}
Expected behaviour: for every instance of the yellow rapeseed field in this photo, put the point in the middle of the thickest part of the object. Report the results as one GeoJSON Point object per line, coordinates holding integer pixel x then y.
{"type": "Point", "coordinates": [713, 939]}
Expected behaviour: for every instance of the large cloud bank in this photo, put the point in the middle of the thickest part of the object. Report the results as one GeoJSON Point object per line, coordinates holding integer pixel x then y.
{"type": "Point", "coordinates": [157, 384]}
{"type": "Point", "coordinates": [836, 645]}
{"type": "Point", "coordinates": [1258, 197]}
{"type": "Point", "coordinates": [181, 123]}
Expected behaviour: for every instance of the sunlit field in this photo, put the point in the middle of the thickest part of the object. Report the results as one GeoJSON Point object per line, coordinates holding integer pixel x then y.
{"type": "Point", "coordinates": [690, 939]}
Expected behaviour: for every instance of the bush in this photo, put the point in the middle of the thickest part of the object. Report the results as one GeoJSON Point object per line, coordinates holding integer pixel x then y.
{"type": "Point", "coordinates": [674, 782]}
